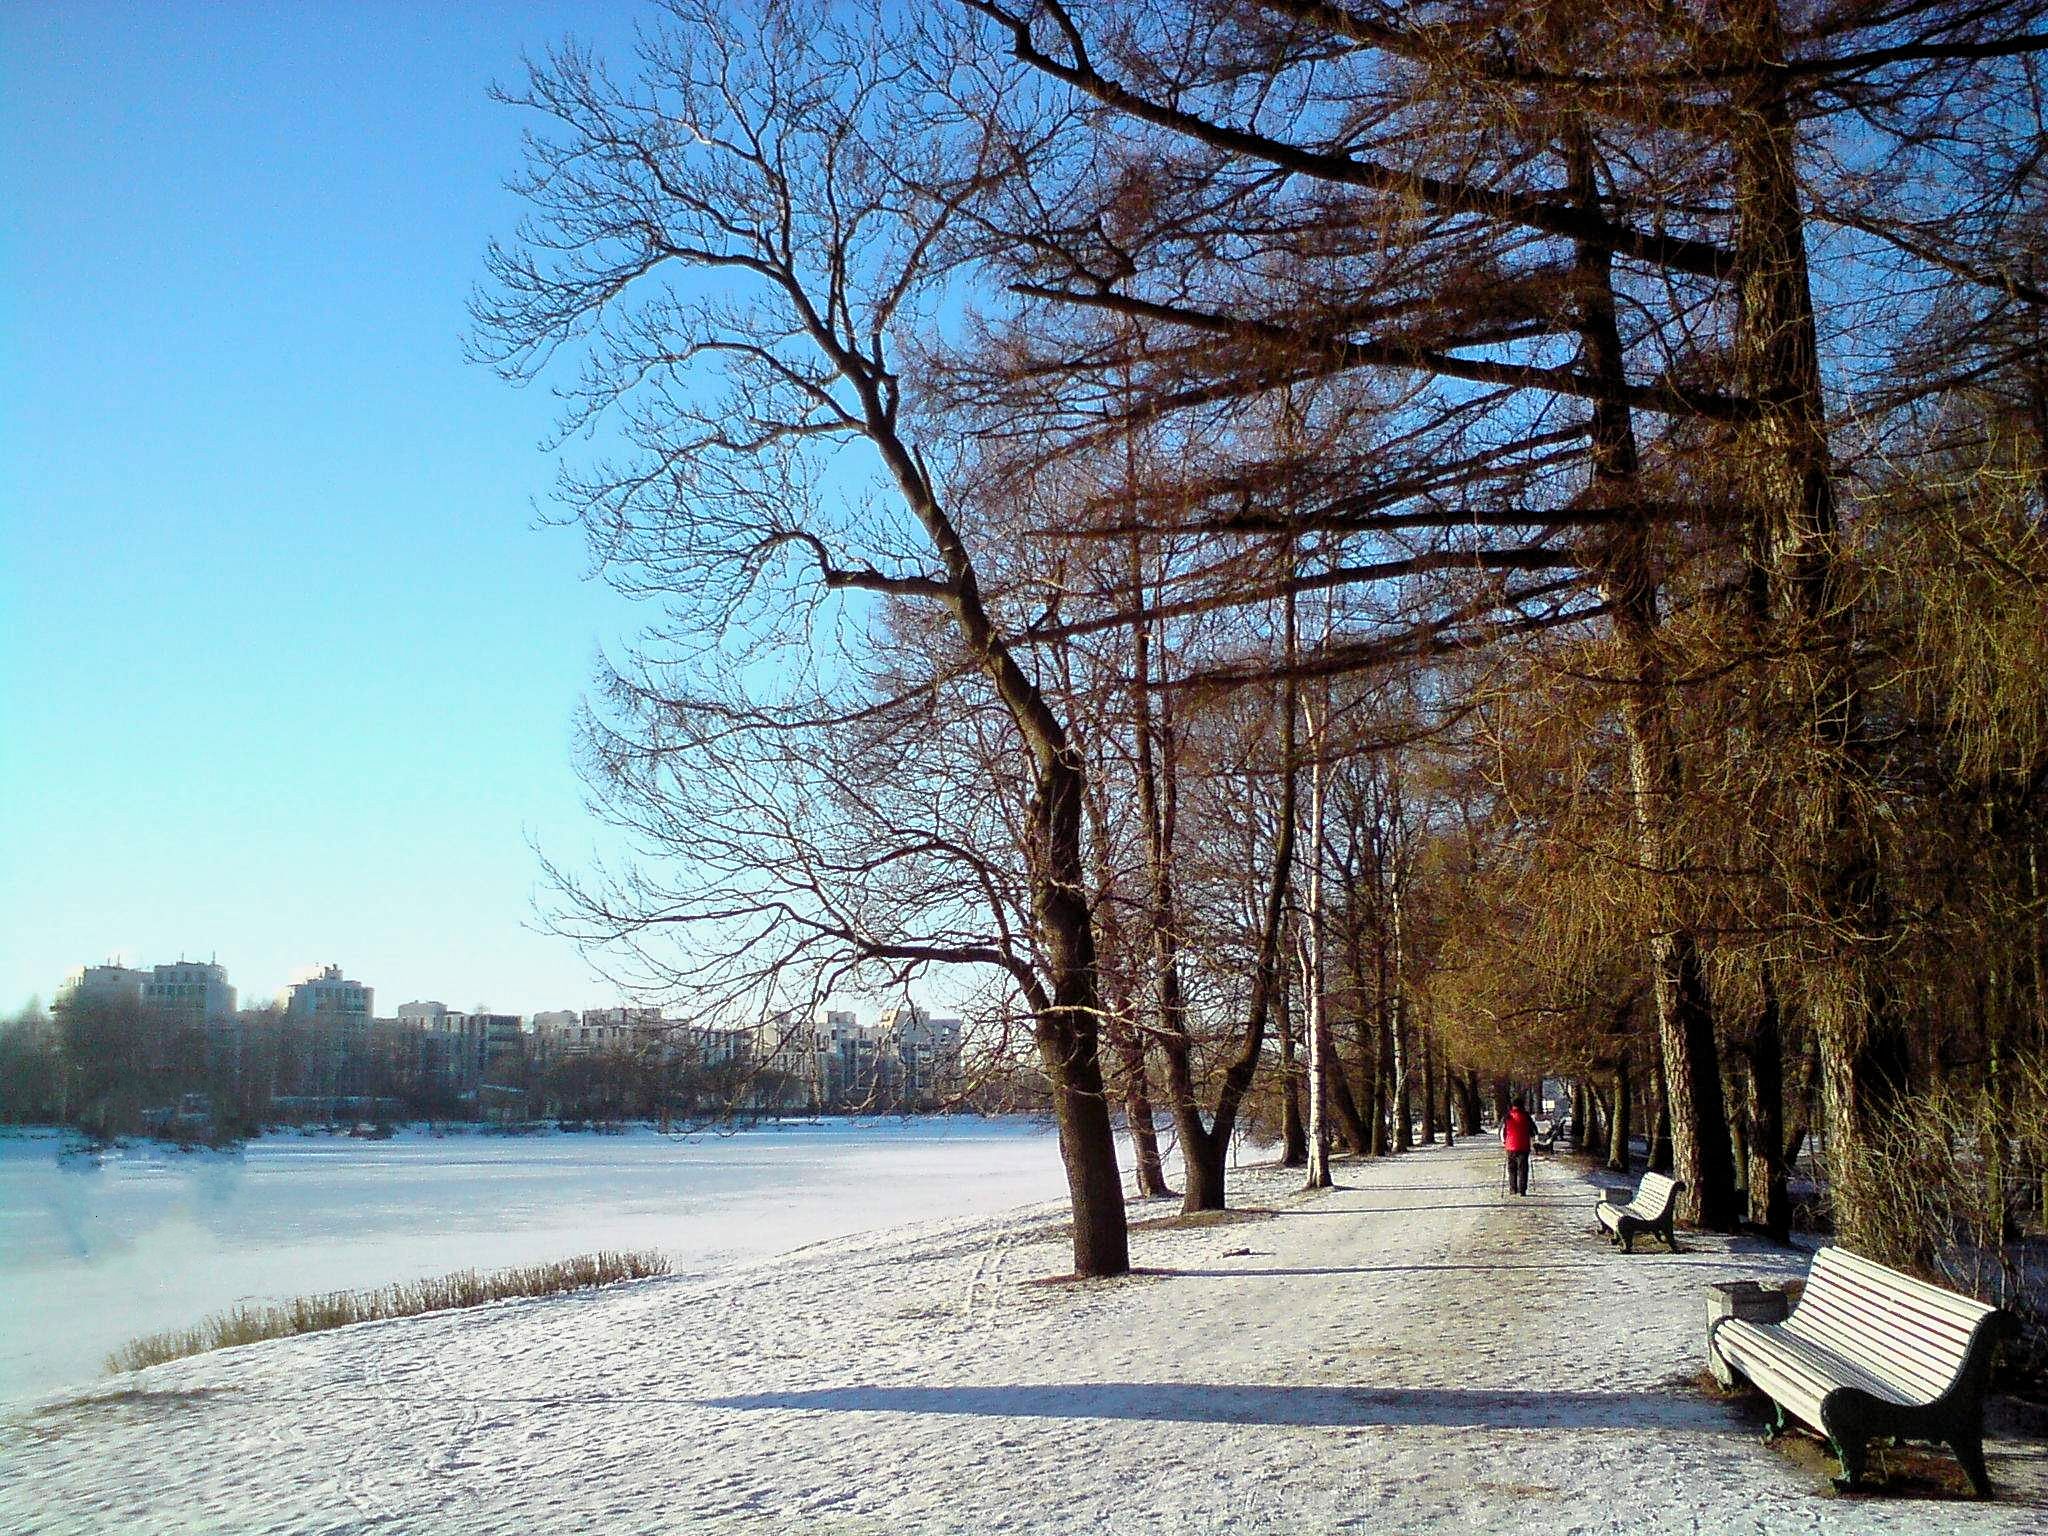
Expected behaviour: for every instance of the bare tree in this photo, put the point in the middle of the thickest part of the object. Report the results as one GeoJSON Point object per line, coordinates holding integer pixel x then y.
{"type": "Point", "coordinates": [734, 243]}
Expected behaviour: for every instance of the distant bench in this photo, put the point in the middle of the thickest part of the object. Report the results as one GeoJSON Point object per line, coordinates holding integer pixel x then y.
{"type": "Point", "coordinates": [1650, 1211]}
{"type": "Point", "coordinates": [1870, 1352]}
{"type": "Point", "coordinates": [1547, 1142]}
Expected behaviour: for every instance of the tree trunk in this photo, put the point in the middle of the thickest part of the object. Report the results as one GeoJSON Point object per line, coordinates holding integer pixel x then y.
{"type": "Point", "coordinates": [1404, 1109]}
{"type": "Point", "coordinates": [1119, 1024]}
{"type": "Point", "coordinates": [1204, 1147]}
{"type": "Point", "coordinates": [1318, 1026]}
{"type": "Point", "coordinates": [1383, 1062]}
{"type": "Point", "coordinates": [1685, 1025]}
{"type": "Point", "coordinates": [1350, 1118]}
{"type": "Point", "coordinates": [1357, 1108]}
{"type": "Point", "coordinates": [1428, 1089]}
{"type": "Point", "coordinates": [1770, 1204]}
{"type": "Point", "coordinates": [1468, 1103]}
{"type": "Point", "coordinates": [1862, 1047]}
{"type": "Point", "coordinates": [1618, 1117]}
{"type": "Point", "coordinates": [1660, 1133]}
{"type": "Point", "coordinates": [1139, 1120]}
{"type": "Point", "coordinates": [1293, 1133]}
{"type": "Point", "coordinates": [1318, 1095]}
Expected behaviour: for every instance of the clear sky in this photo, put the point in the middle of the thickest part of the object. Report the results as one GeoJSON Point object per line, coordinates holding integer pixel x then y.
{"type": "Point", "coordinates": [286, 667]}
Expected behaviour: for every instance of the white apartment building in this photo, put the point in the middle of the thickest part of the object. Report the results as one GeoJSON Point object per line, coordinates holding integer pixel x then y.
{"type": "Point", "coordinates": [102, 984]}
{"type": "Point", "coordinates": [189, 991]}
{"type": "Point", "coordinates": [328, 996]}
{"type": "Point", "coordinates": [906, 1057]}
{"type": "Point", "coordinates": [596, 1030]}
{"type": "Point", "coordinates": [923, 1052]}
{"type": "Point", "coordinates": [196, 991]}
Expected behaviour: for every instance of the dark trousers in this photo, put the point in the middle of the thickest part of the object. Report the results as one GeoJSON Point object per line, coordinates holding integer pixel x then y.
{"type": "Point", "coordinates": [1518, 1172]}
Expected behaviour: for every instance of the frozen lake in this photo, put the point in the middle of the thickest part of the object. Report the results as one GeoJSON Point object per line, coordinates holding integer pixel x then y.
{"type": "Point", "coordinates": [96, 1250]}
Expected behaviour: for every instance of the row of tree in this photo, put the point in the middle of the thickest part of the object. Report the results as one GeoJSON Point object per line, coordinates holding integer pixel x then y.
{"type": "Point", "coordinates": [114, 1068]}
{"type": "Point", "coordinates": [1441, 542]}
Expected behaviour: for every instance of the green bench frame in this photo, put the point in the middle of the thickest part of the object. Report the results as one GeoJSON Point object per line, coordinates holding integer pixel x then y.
{"type": "Point", "coordinates": [1870, 1353]}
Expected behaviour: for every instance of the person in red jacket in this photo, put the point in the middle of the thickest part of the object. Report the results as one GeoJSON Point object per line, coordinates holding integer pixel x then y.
{"type": "Point", "coordinates": [1517, 1131]}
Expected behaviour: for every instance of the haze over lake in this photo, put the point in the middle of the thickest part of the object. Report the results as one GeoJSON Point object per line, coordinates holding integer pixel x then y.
{"type": "Point", "coordinates": [96, 1250]}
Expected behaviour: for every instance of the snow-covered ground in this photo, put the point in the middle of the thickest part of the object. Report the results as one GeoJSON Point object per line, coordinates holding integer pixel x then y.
{"type": "Point", "coordinates": [1408, 1352]}
{"type": "Point", "coordinates": [95, 1250]}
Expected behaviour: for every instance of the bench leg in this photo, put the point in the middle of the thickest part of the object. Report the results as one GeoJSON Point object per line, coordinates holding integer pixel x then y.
{"type": "Point", "coordinates": [1670, 1237]}
{"type": "Point", "coordinates": [1626, 1231]}
{"type": "Point", "coordinates": [1969, 1449]}
{"type": "Point", "coordinates": [1775, 1430]}
{"type": "Point", "coordinates": [1853, 1453]}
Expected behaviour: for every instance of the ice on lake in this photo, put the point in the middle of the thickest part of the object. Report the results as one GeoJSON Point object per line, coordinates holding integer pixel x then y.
{"type": "Point", "coordinates": [96, 1250]}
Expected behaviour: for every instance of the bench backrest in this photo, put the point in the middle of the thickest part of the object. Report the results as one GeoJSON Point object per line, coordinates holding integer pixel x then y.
{"type": "Point", "coordinates": [1653, 1195]}
{"type": "Point", "coordinates": [1916, 1336]}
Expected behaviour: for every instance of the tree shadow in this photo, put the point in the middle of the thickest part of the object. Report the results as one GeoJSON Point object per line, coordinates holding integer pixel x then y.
{"type": "Point", "coordinates": [1497, 1203]}
{"type": "Point", "coordinates": [1211, 1403]}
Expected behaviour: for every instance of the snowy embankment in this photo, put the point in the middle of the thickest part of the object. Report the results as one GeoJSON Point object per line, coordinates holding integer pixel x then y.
{"type": "Point", "coordinates": [1408, 1352]}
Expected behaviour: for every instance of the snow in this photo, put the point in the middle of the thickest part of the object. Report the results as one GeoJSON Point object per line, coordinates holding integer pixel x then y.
{"type": "Point", "coordinates": [1411, 1351]}
{"type": "Point", "coordinates": [96, 1250]}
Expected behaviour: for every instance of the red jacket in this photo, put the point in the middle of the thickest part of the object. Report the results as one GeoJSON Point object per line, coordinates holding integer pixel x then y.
{"type": "Point", "coordinates": [1517, 1131]}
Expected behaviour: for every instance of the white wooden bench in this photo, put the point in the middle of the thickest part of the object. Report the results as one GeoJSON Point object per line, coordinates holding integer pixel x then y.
{"type": "Point", "coordinates": [1650, 1211]}
{"type": "Point", "coordinates": [1870, 1352]}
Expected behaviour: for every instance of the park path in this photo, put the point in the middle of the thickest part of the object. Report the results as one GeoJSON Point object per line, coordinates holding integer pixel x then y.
{"type": "Point", "coordinates": [1410, 1351]}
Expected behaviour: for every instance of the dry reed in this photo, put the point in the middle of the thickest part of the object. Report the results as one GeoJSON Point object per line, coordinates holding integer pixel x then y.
{"type": "Point", "coordinates": [406, 1298]}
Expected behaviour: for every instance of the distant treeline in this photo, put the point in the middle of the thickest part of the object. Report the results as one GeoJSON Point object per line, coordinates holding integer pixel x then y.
{"type": "Point", "coordinates": [115, 1068]}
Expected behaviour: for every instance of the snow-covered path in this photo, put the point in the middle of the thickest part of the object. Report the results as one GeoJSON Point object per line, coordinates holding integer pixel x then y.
{"type": "Point", "coordinates": [1408, 1352]}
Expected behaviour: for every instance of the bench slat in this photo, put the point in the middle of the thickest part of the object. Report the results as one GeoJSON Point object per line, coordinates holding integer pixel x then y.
{"type": "Point", "coordinates": [1877, 1314]}
{"type": "Point", "coordinates": [1907, 1309]}
{"type": "Point", "coordinates": [1833, 1315]}
{"type": "Point", "coordinates": [1815, 1365]}
{"type": "Point", "coordinates": [1873, 1313]}
{"type": "Point", "coordinates": [1921, 1384]}
{"type": "Point", "coordinates": [1931, 1297]}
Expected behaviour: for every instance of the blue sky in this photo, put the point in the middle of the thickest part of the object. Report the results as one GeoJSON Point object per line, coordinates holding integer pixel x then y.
{"type": "Point", "coordinates": [286, 667]}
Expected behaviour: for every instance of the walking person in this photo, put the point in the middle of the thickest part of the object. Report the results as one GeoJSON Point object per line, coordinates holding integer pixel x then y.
{"type": "Point", "coordinates": [1517, 1132]}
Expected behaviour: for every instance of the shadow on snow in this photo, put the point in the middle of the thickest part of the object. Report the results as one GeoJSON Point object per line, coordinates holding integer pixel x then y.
{"type": "Point", "coordinates": [1208, 1403]}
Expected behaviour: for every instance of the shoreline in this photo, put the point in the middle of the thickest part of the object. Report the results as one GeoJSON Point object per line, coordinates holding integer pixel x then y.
{"type": "Point", "coordinates": [1409, 1351]}
{"type": "Point", "coordinates": [111, 1246]}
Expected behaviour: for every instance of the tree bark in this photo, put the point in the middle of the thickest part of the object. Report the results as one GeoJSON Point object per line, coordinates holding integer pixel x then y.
{"type": "Point", "coordinates": [1293, 1131]}
{"type": "Point", "coordinates": [1319, 1047]}
{"type": "Point", "coordinates": [1350, 1118]}
{"type": "Point", "coordinates": [1685, 1025]}
{"type": "Point", "coordinates": [1770, 1203]}
{"type": "Point", "coordinates": [1660, 1132]}
{"type": "Point", "coordinates": [1618, 1118]}
{"type": "Point", "coordinates": [1404, 1109]}
{"type": "Point", "coordinates": [1787, 456]}
{"type": "Point", "coordinates": [1428, 1090]}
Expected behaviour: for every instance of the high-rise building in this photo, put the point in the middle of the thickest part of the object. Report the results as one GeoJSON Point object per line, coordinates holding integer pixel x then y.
{"type": "Point", "coordinates": [328, 995]}
{"type": "Point", "coordinates": [102, 984]}
{"type": "Point", "coordinates": [194, 992]}
{"type": "Point", "coordinates": [191, 991]}
{"type": "Point", "coordinates": [922, 1053]}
